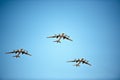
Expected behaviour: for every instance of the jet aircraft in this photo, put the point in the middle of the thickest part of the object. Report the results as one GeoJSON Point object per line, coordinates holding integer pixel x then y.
{"type": "Point", "coordinates": [78, 61]}
{"type": "Point", "coordinates": [18, 52]}
{"type": "Point", "coordinates": [59, 37]}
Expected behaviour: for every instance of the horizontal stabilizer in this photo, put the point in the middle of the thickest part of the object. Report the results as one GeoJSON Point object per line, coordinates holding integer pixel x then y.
{"type": "Point", "coordinates": [57, 41]}
{"type": "Point", "coordinates": [16, 56]}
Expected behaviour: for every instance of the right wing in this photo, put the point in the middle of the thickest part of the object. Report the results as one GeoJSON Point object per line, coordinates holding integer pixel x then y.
{"type": "Point", "coordinates": [14, 51]}
{"type": "Point", "coordinates": [70, 61]}
{"type": "Point", "coordinates": [73, 61]}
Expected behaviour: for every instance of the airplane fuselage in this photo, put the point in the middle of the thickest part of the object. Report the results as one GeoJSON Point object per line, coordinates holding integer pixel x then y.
{"type": "Point", "coordinates": [61, 36]}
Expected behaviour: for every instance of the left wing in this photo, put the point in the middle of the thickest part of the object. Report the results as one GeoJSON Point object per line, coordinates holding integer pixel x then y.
{"type": "Point", "coordinates": [28, 54]}
{"type": "Point", "coordinates": [86, 62]}
{"type": "Point", "coordinates": [67, 37]}
{"type": "Point", "coordinates": [73, 61]}
{"type": "Point", "coordinates": [9, 52]}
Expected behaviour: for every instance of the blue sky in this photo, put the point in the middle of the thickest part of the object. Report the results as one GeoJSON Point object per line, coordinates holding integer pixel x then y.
{"type": "Point", "coordinates": [93, 25]}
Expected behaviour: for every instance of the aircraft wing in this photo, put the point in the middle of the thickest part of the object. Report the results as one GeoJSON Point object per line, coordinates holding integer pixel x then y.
{"type": "Point", "coordinates": [55, 36]}
{"type": "Point", "coordinates": [9, 52]}
{"type": "Point", "coordinates": [28, 54]}
{"type": "Point", "coordinates": [67, 38]}
{"type": "Point", "coordinates": [86, 62]}
{"type": "Point", "coordinates": [52, 37]}
{"type": "Point", "coordinates": [71, 61]}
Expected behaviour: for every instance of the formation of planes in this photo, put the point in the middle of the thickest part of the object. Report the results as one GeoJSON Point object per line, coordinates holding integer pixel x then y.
{"type": "Point", "coordinates": [78, 61]}
{"type": "Point", "coordinates": [58, 37]}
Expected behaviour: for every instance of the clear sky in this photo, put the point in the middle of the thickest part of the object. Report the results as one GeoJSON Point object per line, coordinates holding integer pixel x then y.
{"type": "Point", "coordinates": [94, 26]}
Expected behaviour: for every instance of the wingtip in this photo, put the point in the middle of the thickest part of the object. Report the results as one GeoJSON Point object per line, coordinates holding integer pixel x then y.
{"type": "Point", "coordinates": [90, 65]}
{"type": "Point", "coordinates": [30, 55]}
{"type": "Point", "coordinates": [50, 37]}
{"type": "Point", "coordinates": [68, 61]}
{"type": "Point", "coordinates": [8, 52]}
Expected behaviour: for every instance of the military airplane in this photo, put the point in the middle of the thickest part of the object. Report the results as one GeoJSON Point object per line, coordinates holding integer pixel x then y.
{"type": "Point", "coordinates": [59, 37]}
{"type": "Point", "coordinates": [78, 61]}
{"type": "Point", "coordinates": [18, 52]}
